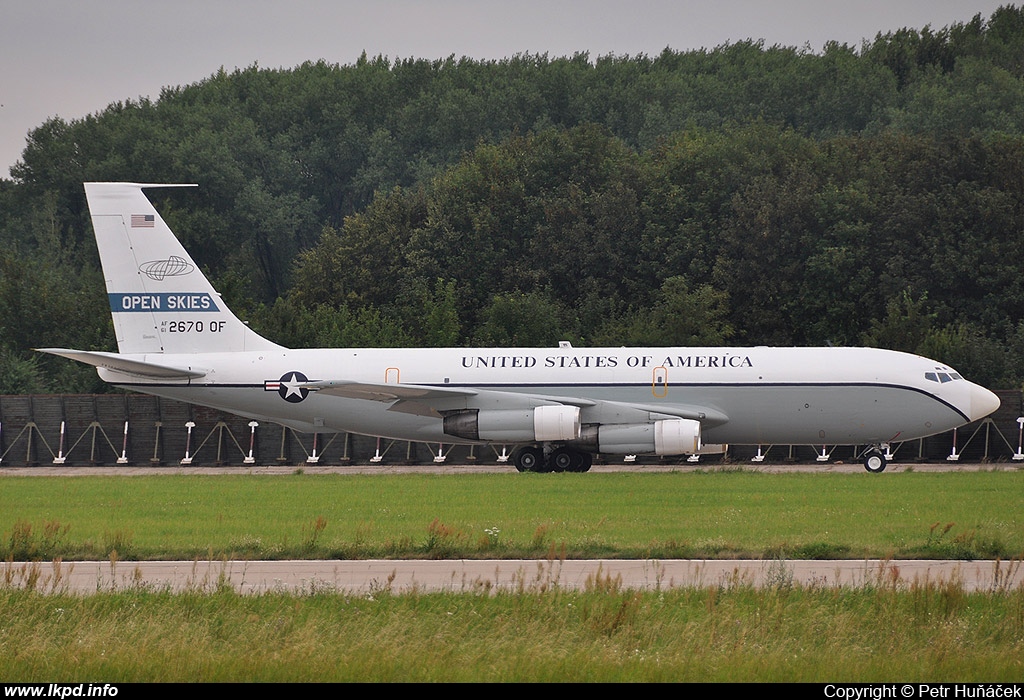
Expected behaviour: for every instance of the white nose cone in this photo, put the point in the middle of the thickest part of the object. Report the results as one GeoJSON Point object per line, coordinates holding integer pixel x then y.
{"type": "Point", "coordinates": [983, 402]}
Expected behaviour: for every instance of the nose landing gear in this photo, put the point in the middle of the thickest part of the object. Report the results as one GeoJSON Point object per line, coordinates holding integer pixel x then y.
{"type": "Point", "coordinates": [875, 460]}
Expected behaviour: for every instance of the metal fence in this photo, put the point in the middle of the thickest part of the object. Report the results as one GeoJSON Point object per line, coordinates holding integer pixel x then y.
{"type": "Point", "coordinates": [136, 429]}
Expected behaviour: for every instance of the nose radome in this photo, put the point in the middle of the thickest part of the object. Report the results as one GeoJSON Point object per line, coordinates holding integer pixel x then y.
{"type": "Point", "coordinates": [983, 402]}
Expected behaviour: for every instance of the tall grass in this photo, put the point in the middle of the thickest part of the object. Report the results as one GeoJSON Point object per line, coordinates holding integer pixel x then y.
{"type": "Point", "coordinates": [931, 631]}
{"type": "Point", "coordinates": [664, 515]}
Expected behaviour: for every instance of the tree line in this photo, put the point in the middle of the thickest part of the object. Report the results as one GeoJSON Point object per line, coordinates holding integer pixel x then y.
{"type": "Point", "coordinates": [743, 194]}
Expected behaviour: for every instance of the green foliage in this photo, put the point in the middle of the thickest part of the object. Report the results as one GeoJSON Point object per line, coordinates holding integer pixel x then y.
{"type": "Point", "coordinates": [327, 326]}
{"type": "Point", "coordinates": [46, 300]}
{"type": "Point", "coordinates": [432, 315]}
{"type": "Point", "coordinates": [905, 326]}
{"type": "Point", "coordinates": [520, 320]}
{"type": "Point", "coordinates": [679, 317]}
{"type": "Point", "coordinates": [27, 543]}
{"type": "Point", "coordinates": [20, 375]}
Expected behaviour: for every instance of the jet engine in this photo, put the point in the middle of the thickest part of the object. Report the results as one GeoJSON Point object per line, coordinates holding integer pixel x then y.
{"type": "Point", "coordinates": [554, 423]}
{"type": "Point", "coordinates": [675, 436]}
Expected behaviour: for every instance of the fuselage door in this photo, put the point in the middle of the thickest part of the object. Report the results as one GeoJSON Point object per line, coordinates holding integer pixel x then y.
{"type": "Point", "coordinates": [659, 384]}
{"type": "Point", "coordinates": [391, 375]}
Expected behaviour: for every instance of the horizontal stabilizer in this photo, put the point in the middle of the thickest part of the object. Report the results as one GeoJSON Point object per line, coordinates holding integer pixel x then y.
{"type": "Point", "coordinates": [119, 363]}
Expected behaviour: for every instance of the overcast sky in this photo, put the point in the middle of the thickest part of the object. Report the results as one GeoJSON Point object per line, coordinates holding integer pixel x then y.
{"type": "Point", "coordinates": [71, 58]}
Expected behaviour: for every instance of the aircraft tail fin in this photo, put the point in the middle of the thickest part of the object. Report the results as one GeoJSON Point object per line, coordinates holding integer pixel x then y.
{"type": "Point", "coordinates": [159, 299]}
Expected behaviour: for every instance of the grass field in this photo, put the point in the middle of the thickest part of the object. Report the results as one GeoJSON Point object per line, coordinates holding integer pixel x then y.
{"type": "Point", "coordinates": [882, 631]}
{"type": "Point", "coordinates": [625, 515]}
{"type": "Point", "coordinates": [927, 632]}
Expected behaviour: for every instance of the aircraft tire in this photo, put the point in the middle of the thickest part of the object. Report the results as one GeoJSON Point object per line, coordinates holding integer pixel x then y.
{"type": "Point", "coordinates": [528, 459]}
{"type": "Point", "coordinates": [583, 462]}
{"type": "Point", "coordinates": [563, 460]}
{"type": "Point", "coordinates": [875, 462]}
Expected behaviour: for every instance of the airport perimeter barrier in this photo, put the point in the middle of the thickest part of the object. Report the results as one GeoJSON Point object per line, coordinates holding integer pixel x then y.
{"type": "Point", "coordinates": [142, 430]}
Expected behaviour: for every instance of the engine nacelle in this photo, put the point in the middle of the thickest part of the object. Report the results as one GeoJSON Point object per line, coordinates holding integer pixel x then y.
{"type": "Point", "coordinates": [676, 436]}
{"type": "Point", "coordinates": [556, 423]}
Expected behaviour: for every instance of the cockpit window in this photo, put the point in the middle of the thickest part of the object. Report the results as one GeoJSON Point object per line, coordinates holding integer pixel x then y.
{"type": "Point", "coordinates": [931, 376]}
{"type": "Point", "coordinates": [942, 377]}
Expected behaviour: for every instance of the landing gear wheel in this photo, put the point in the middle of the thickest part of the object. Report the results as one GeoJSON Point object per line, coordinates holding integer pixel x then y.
{"type": "Point", "coordinates": [585, 460]}
{"type": "Point", "coordinates": [528, 459]}
{"type": "Point", "coordinates": [563, 460]}
{"type": "Point", "coordinates": [875, 462]}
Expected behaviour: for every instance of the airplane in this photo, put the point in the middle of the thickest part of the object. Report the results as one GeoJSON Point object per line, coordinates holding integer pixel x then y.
{"type": "Point", "coordinates": [555, 406]}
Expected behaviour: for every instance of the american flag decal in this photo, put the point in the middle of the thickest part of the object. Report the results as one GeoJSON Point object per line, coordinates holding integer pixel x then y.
{"type": "Point", "coordinates": [143, 220]}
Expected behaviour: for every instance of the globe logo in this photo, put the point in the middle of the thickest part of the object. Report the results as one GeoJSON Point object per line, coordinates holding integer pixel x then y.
{"type": "Point", "coordinates": [174, 266]}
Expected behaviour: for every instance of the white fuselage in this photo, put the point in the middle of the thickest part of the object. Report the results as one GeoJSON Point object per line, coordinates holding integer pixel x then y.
{"type": "Point", "coordinates": [757, 395]}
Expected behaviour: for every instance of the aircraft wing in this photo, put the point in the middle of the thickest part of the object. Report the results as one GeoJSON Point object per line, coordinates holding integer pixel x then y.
{"type": "Point", "coordinates": [120, 363]}
{"type": "Point", "coordinates": [705, 414]}
{"type": "Point", "coordinates": [386, 392]}
{"type": "Point", "coordinates": [431, 400]}
{"type": "Point", "coordinates": [416, 399]}
{"type": "Point", "coordinates": [424, 400]}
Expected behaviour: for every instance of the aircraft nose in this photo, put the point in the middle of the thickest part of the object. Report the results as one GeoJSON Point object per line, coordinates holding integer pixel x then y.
{"type": "Point", "coordinates": [983, 402]}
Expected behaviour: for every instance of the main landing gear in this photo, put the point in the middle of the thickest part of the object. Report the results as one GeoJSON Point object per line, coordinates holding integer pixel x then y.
{"type": "Point", "coordinates": [543, 459]}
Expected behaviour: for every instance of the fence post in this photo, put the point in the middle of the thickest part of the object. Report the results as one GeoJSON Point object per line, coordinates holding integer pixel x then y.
{"type": "Point", "coordinates": [155, 459]}
{"type": "Point", "coordinates": [187, 459]}
{"type": "Point", "coordinates": [59, 459]}
{"type": "Point", "coordinates": [123, 459]}
{"type": "Point", "coordinates": [252, 441]}
{"type": "Point", "coordinates": [314, 457]}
